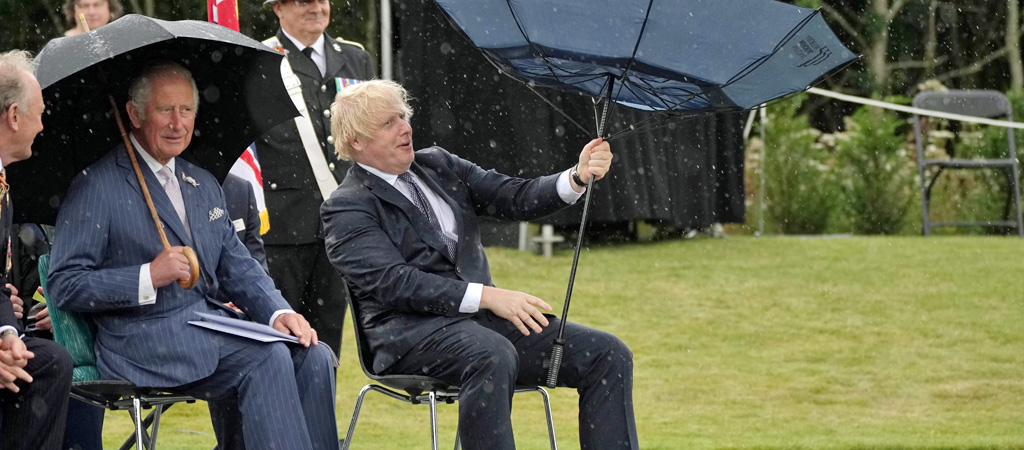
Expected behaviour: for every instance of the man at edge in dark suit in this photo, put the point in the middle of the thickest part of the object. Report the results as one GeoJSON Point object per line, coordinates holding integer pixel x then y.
{"type": "Point", "coordinates": [299, 166]}
{"type": "Point", "coordinates": [35, 374]}
{"type": "Point", "coordinates": [402, 229]}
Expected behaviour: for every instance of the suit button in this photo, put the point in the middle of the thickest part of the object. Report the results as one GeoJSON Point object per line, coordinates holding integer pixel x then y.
{"type": "Point", "coordinates": [330, 139]}
{"type": "Point", "coordinates": [323, 88]}
{"type": "Point", "coordinates": [273, 186]}
{"type": "Point", "coordinates": [327, 113]}
{"type": "Point", "coordinates": [330, 166]}
{"type": "Point", "coordinates": [458, 269]}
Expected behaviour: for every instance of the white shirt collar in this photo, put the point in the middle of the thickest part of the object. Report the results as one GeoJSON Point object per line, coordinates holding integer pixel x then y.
{"type": "Point", "coordinates": [389, 178]}
{"type": "Point", "coordinates": [318, 46]}
{"type": "Point", "coordinates": [150, 161]}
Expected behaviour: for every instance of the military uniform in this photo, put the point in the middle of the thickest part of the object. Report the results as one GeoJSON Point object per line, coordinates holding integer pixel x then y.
{"type": "Point", "coordinates": [295, 242]}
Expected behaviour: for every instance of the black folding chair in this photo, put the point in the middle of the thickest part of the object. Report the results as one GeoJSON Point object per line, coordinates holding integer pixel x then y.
{"type": "Point", "coordinates": [418, 389]}
{"type": "Point", "coordinates": [980, 103]}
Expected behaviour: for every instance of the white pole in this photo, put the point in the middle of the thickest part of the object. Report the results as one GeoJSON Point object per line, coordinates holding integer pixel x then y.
{"type": "Point", "coordinates": [385, 40]}
{"type": "Point", "coordinates": [760, 168]}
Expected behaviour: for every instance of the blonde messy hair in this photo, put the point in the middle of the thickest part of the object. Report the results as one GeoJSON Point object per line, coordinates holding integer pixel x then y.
{"type": "Point", "coordinates": [360, 109]}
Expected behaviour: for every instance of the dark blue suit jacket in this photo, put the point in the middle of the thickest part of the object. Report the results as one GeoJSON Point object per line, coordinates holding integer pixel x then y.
{"type": "Point", "coordinates": [241, 200]}
{"type": "Point", "coordinates": [401, 277]}
{"type": "Point", "coordinates": [104, 235]}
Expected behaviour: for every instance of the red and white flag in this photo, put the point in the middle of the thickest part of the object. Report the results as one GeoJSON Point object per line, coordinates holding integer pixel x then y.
{"type": "Point", "coordinates": [247, 167]}
{"type": "Point", "coordinates": [223, 12]}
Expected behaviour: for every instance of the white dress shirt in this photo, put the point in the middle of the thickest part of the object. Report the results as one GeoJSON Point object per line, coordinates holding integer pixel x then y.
{"type": "Point", "coordinates": [147, 292]}
{"type": "Point", "coordinates": [319, 57]}
{"type": "Point", "coordinates": [443, 211]}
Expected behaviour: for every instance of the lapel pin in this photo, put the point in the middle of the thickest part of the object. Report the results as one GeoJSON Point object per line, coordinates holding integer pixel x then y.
{"type": "Point", "coordinates": [189, 180]}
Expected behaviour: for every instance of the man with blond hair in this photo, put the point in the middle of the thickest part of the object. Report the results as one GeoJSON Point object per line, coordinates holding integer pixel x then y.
{"type": "Point", "coordinates": [402, 229]}
{"type": "Point", "coordinates": [35, 374]}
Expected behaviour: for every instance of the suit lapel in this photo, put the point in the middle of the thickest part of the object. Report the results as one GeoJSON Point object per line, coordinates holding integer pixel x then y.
{"type": "Point", "coordinates": [417, 219]}
{"type": "Point", "coordinates": [299, 62]}
{"type": "Point", "coordinates": [194, 212]}
{"type": "Point", "coordinates": [333, 54]}
{"type": "Point", "coordinates": [163, 206]}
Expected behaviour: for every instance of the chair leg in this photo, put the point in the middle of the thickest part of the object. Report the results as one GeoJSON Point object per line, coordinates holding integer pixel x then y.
{"type": "Point", "coordinates": [433, 418]}
{"type": "Point", "coordinates": [547, 411]}
{"type": "Point", "coordinates": [157, 412]}
{"type": "Point", "coordinates": [1014, 177]}
{"type": "Point", "coordinates": [355, 417]}
{"type": "Point", "coordinates": [137, 418]}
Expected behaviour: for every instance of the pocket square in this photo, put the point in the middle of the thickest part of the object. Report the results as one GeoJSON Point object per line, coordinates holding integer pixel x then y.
{"type": "Point", "coordinates": [216, 213]}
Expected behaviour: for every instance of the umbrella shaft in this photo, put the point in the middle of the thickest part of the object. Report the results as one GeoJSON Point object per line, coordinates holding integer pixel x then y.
{"type": "Point", "coordinates": [576, 257]}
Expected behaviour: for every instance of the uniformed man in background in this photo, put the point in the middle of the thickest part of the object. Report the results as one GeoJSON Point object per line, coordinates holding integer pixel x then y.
{"type": "Point", "coordinates": [299, 166]}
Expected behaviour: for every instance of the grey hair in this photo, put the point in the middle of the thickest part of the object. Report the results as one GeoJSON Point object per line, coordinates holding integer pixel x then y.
{"type": "Point", "coordinates": [13, 88]}
{"type": "Point", "coordinates": [141, 88]}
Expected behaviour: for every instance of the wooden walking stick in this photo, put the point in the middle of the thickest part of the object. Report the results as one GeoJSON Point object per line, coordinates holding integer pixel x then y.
{"type": "Point", "coordinates": [193, 262]}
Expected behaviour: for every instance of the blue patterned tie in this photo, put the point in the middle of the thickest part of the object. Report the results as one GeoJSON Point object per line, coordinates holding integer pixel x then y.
{"type": "Point", "coordinates": [423, 205]}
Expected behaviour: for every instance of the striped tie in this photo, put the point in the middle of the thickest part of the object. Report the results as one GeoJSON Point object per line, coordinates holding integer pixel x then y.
{"type": "Point", "coordinates": [423, 205]}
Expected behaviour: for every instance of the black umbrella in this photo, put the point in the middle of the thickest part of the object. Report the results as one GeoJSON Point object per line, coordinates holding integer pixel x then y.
{"type": "Point", "coordinates": [241, 96]}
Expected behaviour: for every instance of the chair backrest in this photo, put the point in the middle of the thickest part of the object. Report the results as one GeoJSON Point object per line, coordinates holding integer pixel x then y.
{"type": "Point", "coordinates": [362, 348]}
{"type": "Point", "coordinates": [412, 384]}
{"type": "Point", "coordinates": [73, 332]}
{"type": "Point", "coordinates": [980, 103]}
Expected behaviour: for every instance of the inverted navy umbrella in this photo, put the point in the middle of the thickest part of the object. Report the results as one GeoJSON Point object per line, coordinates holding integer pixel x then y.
{"type": "Point", "coordinates": [670, 56]}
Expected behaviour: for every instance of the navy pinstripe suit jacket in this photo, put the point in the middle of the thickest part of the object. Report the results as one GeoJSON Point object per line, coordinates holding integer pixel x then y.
{"type": "Point", "coordinates": [105, 233]}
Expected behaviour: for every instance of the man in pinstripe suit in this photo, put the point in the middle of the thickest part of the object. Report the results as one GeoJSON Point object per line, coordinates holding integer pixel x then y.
{"type": "Point", "coordinates": [107, 262]}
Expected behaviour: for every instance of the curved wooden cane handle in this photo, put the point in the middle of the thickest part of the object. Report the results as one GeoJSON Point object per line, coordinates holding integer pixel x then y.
{"type": "Point", "coordinates": [193, 268]}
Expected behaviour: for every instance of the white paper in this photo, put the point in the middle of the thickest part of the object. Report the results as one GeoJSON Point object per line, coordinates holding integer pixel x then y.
{"type": "Point", "coordinates": [248, 329]}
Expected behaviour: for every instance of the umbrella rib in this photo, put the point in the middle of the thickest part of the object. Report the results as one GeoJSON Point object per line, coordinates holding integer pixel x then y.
{"type": "Point", "coordinates": [570, 119]}
{"type": "Point", "coordinates": [636, 47]}
{"type": "Point", "coordinates": [526, 38]}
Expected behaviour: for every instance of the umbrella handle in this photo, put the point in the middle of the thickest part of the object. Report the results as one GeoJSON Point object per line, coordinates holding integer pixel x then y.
{"type": "Point", "coordinates": [190, 255]}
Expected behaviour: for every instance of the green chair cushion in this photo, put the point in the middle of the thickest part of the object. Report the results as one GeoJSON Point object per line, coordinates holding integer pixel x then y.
{"type": "Point", "coordinates": [73, 332]}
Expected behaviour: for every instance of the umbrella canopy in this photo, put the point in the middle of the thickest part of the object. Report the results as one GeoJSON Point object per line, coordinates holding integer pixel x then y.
{"type": "Point", "coordinates": [241, 96]}
{"type": "Point", "coordinates": [684, 56]}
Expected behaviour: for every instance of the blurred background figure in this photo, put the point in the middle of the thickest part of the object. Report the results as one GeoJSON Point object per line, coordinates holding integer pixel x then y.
{"type": "Point", "coordinates": [97, 14]}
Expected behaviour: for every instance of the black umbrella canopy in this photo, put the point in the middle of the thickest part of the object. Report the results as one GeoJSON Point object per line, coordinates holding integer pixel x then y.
{"type": "Point", "coordinates": [241, 96]}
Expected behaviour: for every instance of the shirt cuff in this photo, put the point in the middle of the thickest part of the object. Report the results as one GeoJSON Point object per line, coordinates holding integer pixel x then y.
{"type": "Point", "coordinates": [565, 188]}
{"type": "Point", "coordinates": [147, 293]}
{"type": "Point", "coordinates": [8, 327]}
{"type": "Point", "coordinates": [471, 299]}
{"type": "Point", "coordinates": [278, 313]}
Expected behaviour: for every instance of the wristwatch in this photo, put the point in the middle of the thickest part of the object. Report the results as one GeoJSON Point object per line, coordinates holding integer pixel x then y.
{"type": "Point", "coordinates": [576, 176]}
{"type": "Point", "coordinates": [4, 333]}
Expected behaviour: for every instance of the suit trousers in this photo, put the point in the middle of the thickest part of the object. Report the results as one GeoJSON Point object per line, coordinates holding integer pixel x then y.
{"type": "Point", "coordinates": [487, 357]}
{"type": "Point", "coordinates": [312, 287]}
{"type": "Point", "coordinates": [270, 396]}
{"type": "Point", "coordinates": [34, 417]}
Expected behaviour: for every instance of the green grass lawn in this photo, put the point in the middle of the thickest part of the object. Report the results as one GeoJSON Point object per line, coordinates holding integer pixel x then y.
{"type": "Point", "coordinates": [858, 343]}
